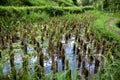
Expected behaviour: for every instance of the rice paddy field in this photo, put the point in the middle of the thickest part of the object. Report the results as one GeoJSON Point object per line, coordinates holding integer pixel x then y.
{"type": "Point", "coordinates": [59, 40]}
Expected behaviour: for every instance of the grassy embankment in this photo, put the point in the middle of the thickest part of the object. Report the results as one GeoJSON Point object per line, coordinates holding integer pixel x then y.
{"type": "Point", "coordinates": [106, 26]}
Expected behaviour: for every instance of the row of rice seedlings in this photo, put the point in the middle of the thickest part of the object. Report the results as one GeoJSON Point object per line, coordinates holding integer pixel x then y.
{"type": "Point", "coordinates": [13, 71]}
{"type": "Point", "coordinates": [60, 50]}
{"type": "Point", "coordinates": [84, 48]}
{"type": "Point", "coordinates": [10, 39]}
{"type": "Point", "coordinates": [97, 45]}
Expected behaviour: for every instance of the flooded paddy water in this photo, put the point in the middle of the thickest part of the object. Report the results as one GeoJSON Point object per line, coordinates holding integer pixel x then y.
{"type": "Point", "coordinates": [52, 49]}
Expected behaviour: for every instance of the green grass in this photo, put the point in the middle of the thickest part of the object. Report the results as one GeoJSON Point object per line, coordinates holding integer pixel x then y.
{"type": "Point", "coordinates": [37, 3]}
{"type": "Point", "coordinates": [12, 15]}
{"type": "Point", "coordinates": [102, 28]}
